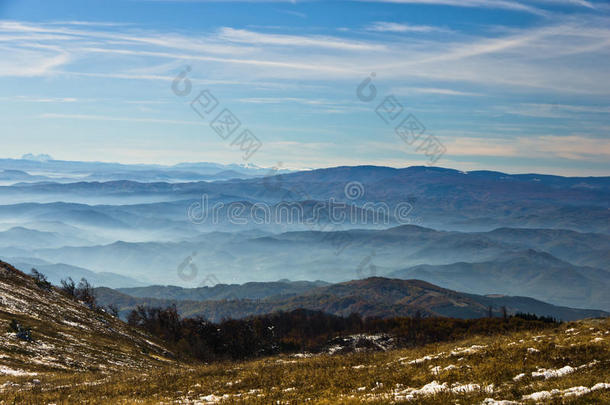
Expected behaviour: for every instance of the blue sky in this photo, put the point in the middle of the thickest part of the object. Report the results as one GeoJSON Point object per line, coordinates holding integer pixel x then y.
{"type": "Point", "coordinates": [517, 86]}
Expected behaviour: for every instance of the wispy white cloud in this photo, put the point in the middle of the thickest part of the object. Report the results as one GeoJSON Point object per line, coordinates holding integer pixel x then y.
{"type": "Point", "coordinates": [547, 110]}
{"type": "Point", "coordinates": [384, 26]}
{"type": "Point", "coordinates": [435, 90]}
{"type": "Point", "coordinates": [501, 4]}
{"type": "Point", "coordinates": [30, 99]}
{"type": "Point", "coordinates": [89, 23]}
{"type": "Point", "coordinates": [24, 62]}
{"type": "Point", "coordinates": [294, 13]}
{"type": "Point", "coordinates": [519, 6]}
{"type": "Point", "coordinates": [582, 3]}
{"type": "Point", "coordinates": [539, 58]}
{"type": "Point", "coordinates": [281, 100]}
{"type": "Point", "coordinates": [257, 38]}
{"type": "Point", "coordinates": [574, 147]}
{"type": "Point", "coordinates": [88, 117]}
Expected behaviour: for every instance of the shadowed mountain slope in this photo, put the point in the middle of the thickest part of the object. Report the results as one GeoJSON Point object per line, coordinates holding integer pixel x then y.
{"type": "Point", "coordinates": [376, 296]}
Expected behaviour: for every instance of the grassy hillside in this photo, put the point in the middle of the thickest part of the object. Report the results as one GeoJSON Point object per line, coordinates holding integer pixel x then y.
{"type": "Point", "coordinates": [57, 350]}
{"type": "Point", "coordinates": [567, 364]}
{"type": "Point", "coordinates": [64, 335]}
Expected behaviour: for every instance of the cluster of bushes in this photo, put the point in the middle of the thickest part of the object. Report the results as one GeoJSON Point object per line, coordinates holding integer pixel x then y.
{"type": "Point", "coordinates": [534, 317]}
{"type": "Point", "coordinates": [306, 330]}
{"type": "Point", "coordinates": [83, 291]}
{"type": "Point", "coordinates": [21, 331]}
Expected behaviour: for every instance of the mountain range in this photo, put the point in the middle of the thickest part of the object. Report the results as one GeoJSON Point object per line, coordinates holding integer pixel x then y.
{"type": "Point", "coordinates": [504, 261]}
{"type": "Point", "coordinates": [480, 232]}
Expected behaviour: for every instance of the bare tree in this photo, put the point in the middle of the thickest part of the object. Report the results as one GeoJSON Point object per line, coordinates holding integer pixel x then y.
{"type": "Point", "coordinates": [40, 279]}
{"type": "Point", "coordinates": [85, 292]}
{"type": "Point", "coordinates": [68, 286]}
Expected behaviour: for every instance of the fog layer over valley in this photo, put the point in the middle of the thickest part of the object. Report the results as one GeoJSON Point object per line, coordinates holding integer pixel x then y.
{"type": "Point", "coordinates": [192, 225]}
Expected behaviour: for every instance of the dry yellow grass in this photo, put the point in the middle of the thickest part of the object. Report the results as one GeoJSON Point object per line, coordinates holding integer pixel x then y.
{"type": "Point", "coordinates": [465, 372]}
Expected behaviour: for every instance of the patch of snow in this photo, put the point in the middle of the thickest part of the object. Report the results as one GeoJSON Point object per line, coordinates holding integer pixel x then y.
{"type": "Point", "coordinates": [430, 389]}
{"type": "Point", "coordinates": [540, 395]}
{"type": "Point", "coordinates": [550, 373]}
{"type": "Point", "coordinates": [465, 388]}
{"type": "Point", "coordinates": [491, 401]}
{"type": "Point", "coordinates": [211, 399]}
{"type": "Point", "coordinates": [568, 392]}
{"type": "Point", "coordinates": [302, 355]}
{"type": "Point", "coordinates": [334, 349]}
{"type": "Point", "coordinates": [576, 391]}
{"type": "Point", "coordinates": [420, 360]}
{"type": "Point", "coordinates": [17, 373]}
{"type": "Point", "coordinates": [588, 365]}
{"type": "Point", "coordinates": [468, 350]}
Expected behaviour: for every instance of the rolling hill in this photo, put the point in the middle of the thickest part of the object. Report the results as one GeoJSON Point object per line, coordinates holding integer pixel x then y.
{"type": "Point", "coordinates": [529, 273]}
{"type": "Point", "coordinates": [377, 297]}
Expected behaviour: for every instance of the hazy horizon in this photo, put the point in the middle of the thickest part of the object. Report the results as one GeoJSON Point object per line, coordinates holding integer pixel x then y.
{"type": "Point", "coordinates": [518, 87]}
{"type": "Point", "coordinates": [284, 167]}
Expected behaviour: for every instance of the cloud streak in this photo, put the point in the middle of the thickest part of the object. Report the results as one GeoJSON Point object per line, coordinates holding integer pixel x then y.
{"type": "Point", "coordinates": [384, 26]}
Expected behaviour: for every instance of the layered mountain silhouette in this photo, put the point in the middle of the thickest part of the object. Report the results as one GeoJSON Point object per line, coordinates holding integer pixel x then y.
{"type": "Point", "coordinates": [480, 231]}
{"type": "Point", "coordinates": [372, 297]}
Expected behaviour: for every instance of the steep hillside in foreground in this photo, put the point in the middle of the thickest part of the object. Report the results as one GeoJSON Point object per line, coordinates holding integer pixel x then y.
{"type": "Point", "coordinates": [65, 334]}
{"type": "Point", "coordinates": [374, 296]}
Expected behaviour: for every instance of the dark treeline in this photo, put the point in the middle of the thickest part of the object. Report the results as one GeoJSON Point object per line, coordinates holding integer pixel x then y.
{"type": "Point", "coordinates": [305, 330]}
